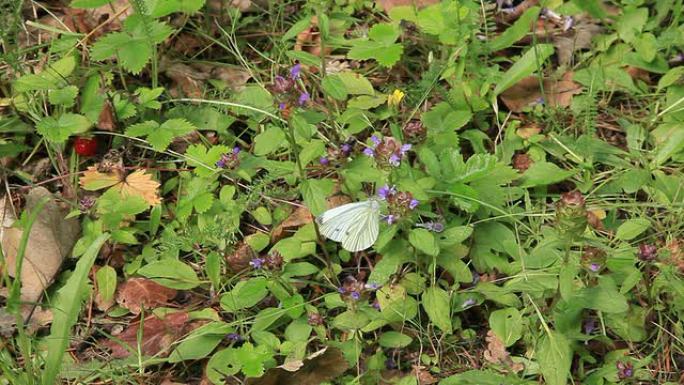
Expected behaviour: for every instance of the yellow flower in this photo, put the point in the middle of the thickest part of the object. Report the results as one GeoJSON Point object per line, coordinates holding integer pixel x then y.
{"type": "Point", "coordinates": [394, 99]}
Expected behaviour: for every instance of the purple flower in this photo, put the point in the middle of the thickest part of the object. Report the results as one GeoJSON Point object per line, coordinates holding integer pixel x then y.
{"type": "Point", "coordinates": [257, 263]}
{"type": "Point", "coordinates": [346, 148]}
{"type": "Point", "coordinates": [324, 161]}
{"type": "Point", "coordinates": [404, 149]}
{"type": "Point", "coordinates": [394, 160]}
{"type": "Point", "coordinates": [467, 303]}
{"type": "Point", "coordinates": [355, 295]}
{"type": "Point", "coordinates": [221, 163]}
{"type": "Point", "coordinates": [389, 219]}
{"type": "Point", "coordinates": [86, 203]}
{"type": "Point", "coordinates": [295, 71]}
{"type": "Point", "coordinates": [594, 267]}
{"type": "Point", "coordinates": [236, 150]}
{"type": "Point", "coordinates": [589, 326]}
{"type": "Point", "coordinates": [386, 191]}
{"type": "Point", "coordinates": [372, 286]}
{"type": "Point", "coordinates": [281, 106]}
{"type": "Point", "coordinates": [376, 305]}
{"type": "Point", "coordinates": [303, 98]}
{"type": "Point", "coordinates": [369, 152]}
{"type": "Point", "coordinates": [437, 227]}
{"type": "Point", "coordinates": [476, 278]}
{"type": "Point", "coordinates": [414, 203]}
{"type": "Point", "coordinates": [375, 140]}
{"type": "Point", "coordinates": [341, 290]}
{"type": "Point", "coordinates": [234, 337]}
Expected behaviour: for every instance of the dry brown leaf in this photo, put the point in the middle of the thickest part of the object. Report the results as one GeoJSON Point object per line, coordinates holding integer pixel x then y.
{"type": "Point", "coordinates": [50, 241]}
{"type": "Point", "coordinates": [324, 365]}
{"type": "Point", "coordinates": [106, 119]}
{"type": "Point", "coordinates": [309, 40]}
{"type": "Point", "coordinates": [496, 353]}
{"type": "Point", "coordinates": [423, 376]}
{"type": "Point", "coordinates": [188, 80]}
{"type": "Point", "coordinates": [157, 335]}
{"type": "Point", "coordinates": [389, 4]}
{"type": "Point", "coordinates": [528, 131]}
{"type": "Point", "coordinates": [138, 293]}
{"type": "Point", "coordinates": [300, 217]}
{"type": "Point", "coordinates": [239, 259]}
{"type": "Point", "coordinates": [527, 92]}
{"type": "Point", "coordinates": [137, 183]}
{"type": "Point", "coordinates": [576, 39]}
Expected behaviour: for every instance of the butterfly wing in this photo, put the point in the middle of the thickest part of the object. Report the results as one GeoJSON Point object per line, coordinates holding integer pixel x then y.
{"type": "Point", "coordinates": [355, 225]}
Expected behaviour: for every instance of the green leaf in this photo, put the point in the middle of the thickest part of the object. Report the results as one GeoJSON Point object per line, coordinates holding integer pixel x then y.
{"type": "Point", "coordinates": [105, 278]}
{"type": "Point", "coordinates": [544, 173]}
{"type": "Point", "coordinates": [50, 78]}
{"type": "Point", "coordinates": [171, 273]}
{"type": "Point", "coordinates": [58, 130]}
{"type": "Point", "coordinates": [436, 304]}
{"type": "Point", "coordinates": [160, 136]}
{"type": "Point", "coordinates": [246, 293]}
{"type": "Point", "coordinates": [507, 324]}
{"type": "Point", "coordinates": [63, 96]}
{"type": "Point", "coordinates": [66, 307]}
{"type": "Point", "coordinates": [350, 320]}
{"type": "Point", "coordinates": [604, 297]}
{"type": "Point", "coordinates": [669, 139]}
{"type": "Point", "coordinates": [253, 359]}
{"type": "Point", "coordinates": [88, 3]}
{"type": "Point", "coordinates": [517, 31]}
{"type": "Point", "coordinates": [204, 160]}
{"type": "Point", "coordinates": [394, 339]}
{"type": "Point", "coordinates": [268, 141]}
{"type": "Point", "coordinates": [424, 241]}
{"type": "Point", "coordinates": [296, 28]}
{"type": "Point", "coordinates": [262, 215]}
{"type": "Point", "coordinates": [671, 77]}
{"type": "Point", "coordinates": [632, 228]}
{"type": "Point", "coordinates": [593, 7]}
{"type": "Point", "coordinates": [311, 151]}
{"type": "Point", "coordinates": [133, 53]}
{"type": "Point", "coordinates": [554, 354]}
{"type": "Point", "coordinates": [356, 84]}
{"type": "Point", "coordinates": [161, 8]}
{"type": "Point", "coordinates": [223, 363]}
{"type": "Point", "coordinates": [530, 62]}
{"type": "Point", "coordinates": [384, 33]}
{"type": "Point", "coordinates": [314, 192]}
{"type": "Point", "coordinates": [334, 87]}
{"type": "Point", "coordinates": [200, 342]}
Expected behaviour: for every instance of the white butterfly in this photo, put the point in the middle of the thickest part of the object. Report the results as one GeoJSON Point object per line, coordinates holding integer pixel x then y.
{"type": "Point", "coordinates": [356, 224]}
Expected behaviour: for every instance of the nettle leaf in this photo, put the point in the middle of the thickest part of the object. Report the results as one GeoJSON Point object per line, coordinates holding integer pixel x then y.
{"type": "Point", "coordinates": [315, 192]}
{"type": "Point", "coordinates": [268, 141]}
{"type": "Point", "coordinates": [507, 324]}
{"type": "Point", "coordinates": [160, 136]}
{"type": "Point", "coordinates": [436, 303]}
{"type": "Point", "coordinates": [58, 130]}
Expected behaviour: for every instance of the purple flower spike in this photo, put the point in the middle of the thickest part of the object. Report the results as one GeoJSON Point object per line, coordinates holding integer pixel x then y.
{"type": "Point", "coordinates": [234, 337]}
{"type": "Point", "coordinates": [594, 267]}
{"type": "Point", "coordinates": [369, 152]}
{"type": "Point", "coordinates": [281, 106]}
{"type": "Point", "coordinates": [414, 203]}
{"type": "Point", "coordinates": [295, 71]}
{"type": "Point", "coordinates": [303, 98]}
{"type": "Point", "coordinates": [375, 140]}
{"type": "Point", "coordinates": [405, 148]}
{"type": "Point", "coordinates": [236, 150]}
{"type": "Point", "coordinates": [386, 191]}
{"type": "Point", "coordinates": [324, 161]}
{"type": "Point", "coordinates": [390, 219]}
{"type": "Point", "coordinates": [341, 290]}
{"type": "Point", "coordinates": [346, 148]}
{"type": "Point", "coordinates": [221, 163]}
{"type": "Point", "coordinates": [355, 295]}
{"type": "Point", "coordinates": [257, 263]}
{"type": "Point", "coordinates": [394, 160]}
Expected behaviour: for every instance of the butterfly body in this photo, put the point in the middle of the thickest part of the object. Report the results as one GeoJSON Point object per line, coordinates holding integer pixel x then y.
{"type": "Point", "coordinates": [355, 225]}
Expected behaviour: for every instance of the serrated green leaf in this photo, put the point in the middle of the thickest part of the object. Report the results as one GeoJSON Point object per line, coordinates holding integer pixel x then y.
{"type": "Point", "coordinates": [58, 130]}
{"type": "Point", "coordinates": [64, 96]}
{"type": "Point", "coordinates": [268, 141]}
{"type": "Point", "coordinates": [159, 8]}
{"type": "Point", "coordinates": [315, 192]}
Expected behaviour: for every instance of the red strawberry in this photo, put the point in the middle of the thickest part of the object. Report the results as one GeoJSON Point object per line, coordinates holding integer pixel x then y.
{"type": "Point", "coordinates": [85, 146]}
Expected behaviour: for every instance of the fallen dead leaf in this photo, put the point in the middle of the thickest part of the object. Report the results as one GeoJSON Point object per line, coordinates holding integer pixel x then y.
{"type": "Point", "coordinates": [496, 353]}
{"type": "Point", "coordinates": [137, 183]}
{"type": "Point", "coordinates": [423, 376]}
{"type": "Point", "coordinates": [321, 366]}
{"type": "Point", "coordinates": [300, 217]}
{"type": "Point", "coordinates": [157, 335]}
{"type": "Point", "coordinates": [309, 40]}
{"type": "Point", "coordinates": [389, 4]}
{"type": "Point", "coordinates": [528, 131]}
{"type": "Point", "coordinates": [527, 92]}
{"type": "Point", "coordinates": [189, 79]}
{"type": "Point", "coordinates": [50, 241]}
{"type": "Point", "coordinates": [575, 39]}
{"type": "Point", "coordinates": [138, 293]}
{"type": "Point", "coordinates": [106, 120]}
{"type": "Point", "coordinates": [239, 259]}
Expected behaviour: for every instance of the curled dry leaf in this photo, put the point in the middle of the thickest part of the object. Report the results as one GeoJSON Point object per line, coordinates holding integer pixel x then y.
{"type": "Point", "coordinates": [299, 217]}
{"type": "Point", "coordinates": [423, 376]}
{"type": "Point", "coordinates": [323, 365]}
{"type": "Point", "coordinates": [106, 120]}
{"type": "Point", "coordinates": [50, 241]}
{"type": "Point", "coordinates": [575, 39]}
{"type": "Point", "coordinates": [309, 40]}
{"type": "Point", "coordinates": [528, 92]}
{"type": "Point", "coordinates": [239, 259]}
{"type": "Point", "coordinates": [138, 293]}
{"type": "Point", "coordinates": [137, 183]}
{"type": "Point", "coordinates": [158, 334]}
{"type": "Point", "coordinates": [496, 353]}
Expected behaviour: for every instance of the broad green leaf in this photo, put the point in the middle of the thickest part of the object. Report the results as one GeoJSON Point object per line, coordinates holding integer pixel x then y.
{"type": "Point", "coordinates": [554, 354]}
{"type": "Point", "coordinates": [50, 78]}
{"type": "Point", "coordinates": [88, 3]}
{"type": "Point", "coordinates": [394, 339]}
{"type": "Point", "coordinates": [593, 7]}
{"type": "Point", "coordinates": [105, 278]}
{"type": "Point", "coordinates": [544, 173]}
{"type": "Point", "coordinates": [315, 192]}
{"type": "Point", "coordinates": [171, 273]}
{"type": "Point", "coordinates": [268, 141]}
{"type": "Point", "coordinates": [604, 297]}
{"type": "Point", "coordinates": [246, 293]}
{"type": "Point", "coordinates": [296, 28]}
{"type": "Point", "coordinates": [356, 84]}
{"type": "Point", "coordinates": [58, 130]}
{"type": "Point", "coordinates": [507, 324]}
{"type": "Point", "coordinates": [253, 359]}
{"type": "Point", "coordinates": [223, 363]}
{"type": "Point", "coordinates": [66, 308]}
{"type": "Point", "coordinates": [671, 77]}
{"type": "Point", "coordinates": [334, 87]}
{"type": "Point", "coordinates": [669, 139]}
{"type": "Point", "coordinates": [632, 228]}
{"type": "Point", "coordinates": [200, 342]}
{"type": "Point", "coordinates": [350, 320]}
{"type": "Point", "coordinates": [424, 241]}
{"type": "Point", "coordinates": [436, 303]}
{"type": "Point", "coordinates": [64, 96]}
{"type": "Point", "coordinates": [524, 25]}
{"type": "Point", "coordinates": [159, 8]}
{"type": "Point", "coordinates": [312, 151]}
{"type": "Point", "coordinates": [530, 62]}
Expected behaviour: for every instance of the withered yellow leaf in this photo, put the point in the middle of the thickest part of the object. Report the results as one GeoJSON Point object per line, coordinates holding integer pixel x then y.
{"type": "Point", "coordinates": [137, 183]}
